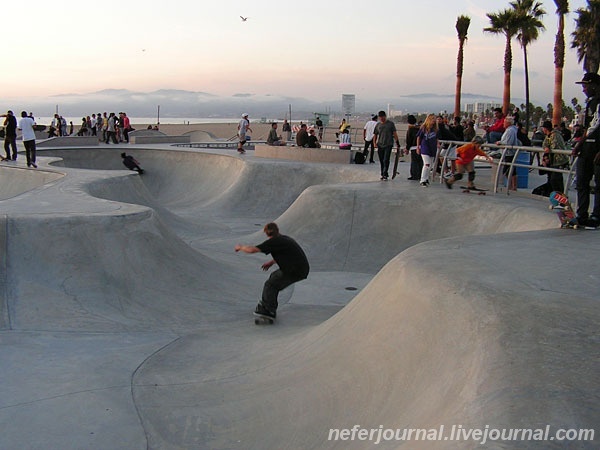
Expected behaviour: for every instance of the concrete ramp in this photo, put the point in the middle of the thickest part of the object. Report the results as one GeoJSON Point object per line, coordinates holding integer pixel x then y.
{"type": "Point", "coordinates": [363, 226]}
{"type": "Point", "coordinates": [17, 180]}
{"type": "Point", "coordinates": [126, 319]}
{"type": "Point", "coordinates": [446, 334]}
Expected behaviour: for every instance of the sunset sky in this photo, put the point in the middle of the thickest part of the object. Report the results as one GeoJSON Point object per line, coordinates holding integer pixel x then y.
{"type": "Point", "coordinates": [312, 49]}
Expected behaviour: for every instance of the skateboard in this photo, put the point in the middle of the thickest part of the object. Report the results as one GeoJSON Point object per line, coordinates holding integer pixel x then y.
{"type": "Point", "coordinates": [260, 319]}
{"type": "Point", "coordinates": [395, 171]}
{"type": "Point", "coordinates": [467, 190]}
{"type": "Point", "coordinates": [560, 202]}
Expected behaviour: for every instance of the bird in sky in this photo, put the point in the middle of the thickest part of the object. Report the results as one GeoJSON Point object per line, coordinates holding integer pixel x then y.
{"type": "Point", "coordinates": [243, 18]}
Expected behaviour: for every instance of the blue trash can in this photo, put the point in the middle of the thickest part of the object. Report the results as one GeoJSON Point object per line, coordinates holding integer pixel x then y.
{"type": "Point", "coordinates": [522, 172]}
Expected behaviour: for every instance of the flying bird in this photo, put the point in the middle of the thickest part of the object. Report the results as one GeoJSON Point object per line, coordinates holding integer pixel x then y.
{"type": "Point", "coordinates": [243, 18]}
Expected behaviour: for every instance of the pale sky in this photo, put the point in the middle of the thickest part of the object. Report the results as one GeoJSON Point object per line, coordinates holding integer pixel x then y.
{"type": "Point", "coordinates": [312, 49]}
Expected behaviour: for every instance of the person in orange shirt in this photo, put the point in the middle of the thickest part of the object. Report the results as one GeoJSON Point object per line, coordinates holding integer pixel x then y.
{"type": "Point", "coordinates": [465, 154]}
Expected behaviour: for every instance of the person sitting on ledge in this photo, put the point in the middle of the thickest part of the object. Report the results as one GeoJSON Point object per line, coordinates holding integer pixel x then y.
{"type": "Point", "coordinates": [302, 136]}
{"type": "Point", "coordinates": [313, 140]}
{"type": "Point", "coordinates": [345, 143]}
{"type": "Point", "coordinates": [273, 139]}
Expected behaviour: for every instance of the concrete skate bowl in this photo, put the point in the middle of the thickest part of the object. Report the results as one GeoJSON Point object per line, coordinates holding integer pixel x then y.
{"type": "Point", "coordinates": [453, 331]}
{"type": "Point", "coordinates": [466, 323]}
{"type": "Point", "coordinates": [16, 181]}
{"type": "Point", "coordinates": [201, 186]}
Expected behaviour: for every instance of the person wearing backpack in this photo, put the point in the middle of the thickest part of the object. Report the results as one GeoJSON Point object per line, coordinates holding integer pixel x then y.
{"type": "Point", "coordinates": [552, 142]}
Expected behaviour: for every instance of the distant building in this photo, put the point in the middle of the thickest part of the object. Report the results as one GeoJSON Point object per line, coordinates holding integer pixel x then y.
{"type": "Point", "coordinates": [348, 104]}
{"type": "Point", "coordinates": [481, 107]}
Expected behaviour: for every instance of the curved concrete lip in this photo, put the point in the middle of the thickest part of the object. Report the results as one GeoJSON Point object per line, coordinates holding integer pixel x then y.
{"type": "Point", "coordinates": [17, 180]}
{"type": "Point", "coordinates": [126, 315]}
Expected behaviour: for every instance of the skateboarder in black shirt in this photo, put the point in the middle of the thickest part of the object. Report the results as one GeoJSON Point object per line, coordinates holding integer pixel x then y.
{"type": "Point", "coordinates": [292, 262]}
{"type": "Point", "coordinates": [131, 163]}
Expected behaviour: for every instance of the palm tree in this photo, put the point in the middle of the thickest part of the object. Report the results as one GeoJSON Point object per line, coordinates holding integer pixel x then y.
{"type": "Point", "coordinates": [528, 22]}
{"type": "Point", "coordinates": [504, 22]}
{"type": "Point", "coordinates": [462, 27]}
{"type": "Point", "coordinates": [586, 37]}
{"type": "Point", "coordinates": [562, 9]}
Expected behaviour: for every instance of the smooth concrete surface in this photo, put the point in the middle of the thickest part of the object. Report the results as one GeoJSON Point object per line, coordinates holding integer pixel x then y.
{"type": "Point", "coordinates": [68, 141]}
{"type": "Point", "coordinates": [125, 319]}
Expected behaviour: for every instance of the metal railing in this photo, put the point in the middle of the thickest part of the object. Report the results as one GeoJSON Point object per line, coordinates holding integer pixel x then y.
{"type": "Point", "coordinates": [569, 171]}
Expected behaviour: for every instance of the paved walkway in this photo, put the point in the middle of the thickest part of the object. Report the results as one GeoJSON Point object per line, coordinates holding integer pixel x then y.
{"type": "Point", "coordinates": [125, 319]}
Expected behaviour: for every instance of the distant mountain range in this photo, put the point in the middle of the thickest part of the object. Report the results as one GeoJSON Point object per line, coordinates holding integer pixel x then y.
{"type": "Point", "coordinates": [181, 103]}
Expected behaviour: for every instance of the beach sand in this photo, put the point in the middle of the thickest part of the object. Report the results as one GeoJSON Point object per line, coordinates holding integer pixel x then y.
{"type": "Point", "coordinates": [260, 131]}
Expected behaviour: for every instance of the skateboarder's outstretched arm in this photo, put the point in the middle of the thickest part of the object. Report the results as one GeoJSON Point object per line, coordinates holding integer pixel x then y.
{"type": "Point", "coordinates": [246, 248]}
{"type": "Point", "coordinates": [252, 249]}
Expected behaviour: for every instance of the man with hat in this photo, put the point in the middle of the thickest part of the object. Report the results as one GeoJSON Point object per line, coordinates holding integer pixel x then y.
{"type": "Point", "coordinates": [588, 164]}
{"type": "Point", "coordinates": [244, 131]}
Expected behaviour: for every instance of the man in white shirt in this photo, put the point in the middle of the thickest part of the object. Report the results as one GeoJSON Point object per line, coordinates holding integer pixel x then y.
{"type": "Point", "coordinates": [244, 131]}
{"type": "Point", "coordinates": [368, 133]}
{"type": "Point", "coordinates": [26, 126]}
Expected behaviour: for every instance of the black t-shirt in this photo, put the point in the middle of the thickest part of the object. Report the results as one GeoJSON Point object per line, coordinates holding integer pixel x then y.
{"type": "Point", "coordinates": [313, 141]}
{"type": "Point", "coordinates": [11, 126]}
{"type": "Point", "coordinates": [129, 162]}
{"type": "Point", "coordinates": [288, 255]}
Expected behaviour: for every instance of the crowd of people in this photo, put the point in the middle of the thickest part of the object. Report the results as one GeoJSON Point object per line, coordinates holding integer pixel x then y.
{"type": "Point", "coordinates": [108, 127]}
{"type": "Point", "coordinates": [504, 130]}
{"type": "Point", "coordinates": [422, 143]}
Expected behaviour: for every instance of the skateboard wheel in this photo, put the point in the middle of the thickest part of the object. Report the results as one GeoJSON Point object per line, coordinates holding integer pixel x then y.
{"type": "Point", "coordinates": [256, 321]}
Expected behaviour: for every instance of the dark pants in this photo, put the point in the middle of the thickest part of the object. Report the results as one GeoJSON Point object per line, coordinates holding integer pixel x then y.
{"type": "Point", "coordinates": [277, 282]}
{"type": "Point", "coordinates": [586, 170]}
{"type": "Point", "coordinates": [111, 135]}
{"type": "Point", "coordinates": [416, 165]}
{"type": "Point", "coordinates": [556, 182]}
{"type": "Point", "coordinates": [384, 152]}
{"type": "Point", "coordinates": [30, 151]}
{"type": "Point", "coordinates": [10, 142]}
{"type": "Point", "coordinates": [491, 137]}
{"type": "Point", "coordinates": [366, 150]}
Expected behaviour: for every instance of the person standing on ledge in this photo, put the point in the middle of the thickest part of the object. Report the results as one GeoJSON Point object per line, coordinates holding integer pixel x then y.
{"type": "Point", "coordinates": [588, 150]}
{"type": "Point", "coordinates": [368, 134]}
{"type": "Point", "coordinates": [26, 126]}
{"type": "Point", "coordinates": [10, 136]}
{"type": "Point", "coordinates": [287, 129]}
{"type": "Point", "coordinates": [292, 262]}
{"type": "Point", "coordinates": [319, 125]}
{"type": "Point", "coordinates": [385, 135]}
{"type": "Point", "coordinates": [244, 131]}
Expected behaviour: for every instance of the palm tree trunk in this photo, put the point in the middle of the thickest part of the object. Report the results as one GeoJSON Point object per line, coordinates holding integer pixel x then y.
{"type": "Point", "coordinates": [526, 66]}
{"type": "Point", "coordinates": [459, 72]}
{"type": "Point", "coordinates": [507, 70]}
{"type": "Point", "coordinates": [559, 64]}
{"type": "Point", "coordinates": [558, 94]}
